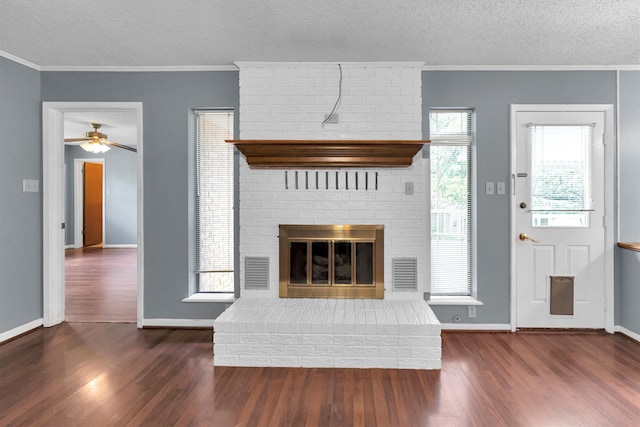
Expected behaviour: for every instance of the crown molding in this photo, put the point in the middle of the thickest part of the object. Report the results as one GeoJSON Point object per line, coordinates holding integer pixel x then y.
{"type": "Point", "coordinates": [139, 68]}
{"type": "Point", "coordinates": [382, 64]}
{"type": "Point", "coordinates": [19, 60]}
{"type": "Point", "coordinates": [530, 67]}
{"type": "Point", "coordinates": [345, 64]}
{"type": "Point", "coordinates": [274, 65]}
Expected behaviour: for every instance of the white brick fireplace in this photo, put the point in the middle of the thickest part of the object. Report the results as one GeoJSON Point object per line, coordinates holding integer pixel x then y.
{"type": "Point", "coordinates": [290, 101]}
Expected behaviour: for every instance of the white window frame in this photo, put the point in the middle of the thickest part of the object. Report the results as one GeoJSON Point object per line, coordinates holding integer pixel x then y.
{"type": "Point", "coordinates": [197, 294]}
{"type": "Point", "coordinates": [466, 298]}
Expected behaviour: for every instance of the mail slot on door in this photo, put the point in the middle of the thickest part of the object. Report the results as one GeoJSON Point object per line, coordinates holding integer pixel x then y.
{"type": "Point", "coordinates": [561, 295]}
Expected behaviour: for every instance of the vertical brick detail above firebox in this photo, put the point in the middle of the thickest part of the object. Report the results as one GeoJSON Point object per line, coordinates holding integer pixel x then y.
{"type": "Point", "coordinates": [289, 101]}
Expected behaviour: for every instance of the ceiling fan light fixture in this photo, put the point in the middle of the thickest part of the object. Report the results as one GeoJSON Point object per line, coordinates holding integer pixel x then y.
{"type": "Point", "coordinates": [95, 147]}
{"type": "Point", "coordinates": [96, 142]}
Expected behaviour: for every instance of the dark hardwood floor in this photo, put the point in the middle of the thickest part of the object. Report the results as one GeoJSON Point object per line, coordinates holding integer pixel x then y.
{"type": "Point", "coordinates": [100, 284]}
{"type": "Point", "coordinates": [111, 374]}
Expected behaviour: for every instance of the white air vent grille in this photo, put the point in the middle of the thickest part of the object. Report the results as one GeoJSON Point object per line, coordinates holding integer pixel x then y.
{"type": "Point", "coordinates": [256, 273]}
{"type": "Point", "coordinates": [405, 274]}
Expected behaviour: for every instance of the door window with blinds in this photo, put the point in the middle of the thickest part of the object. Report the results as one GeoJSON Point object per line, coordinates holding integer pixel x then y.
{"type": "Point", "coordinates": [214, 202]}
{"type": "Point", "coordinates": [561, 169]}
{"type": "Point", "coordinates": [450, 152]}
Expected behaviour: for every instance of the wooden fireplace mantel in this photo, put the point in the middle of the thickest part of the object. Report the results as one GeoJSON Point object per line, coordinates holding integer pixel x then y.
{"type": "Point", "coordinates": [299, 153]}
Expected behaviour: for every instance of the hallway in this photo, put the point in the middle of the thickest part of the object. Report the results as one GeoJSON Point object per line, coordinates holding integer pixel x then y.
{"type": "Point", "coordinates": [100, 284]}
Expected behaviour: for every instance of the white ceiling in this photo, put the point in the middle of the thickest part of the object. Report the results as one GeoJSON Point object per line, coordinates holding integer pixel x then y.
{"type": "Point", "coordinates": [119, 126]}
{"type": "Point", "coordinates": [64, 34]}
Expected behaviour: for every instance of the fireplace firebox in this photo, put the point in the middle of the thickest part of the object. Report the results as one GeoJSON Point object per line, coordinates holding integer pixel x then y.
{"type": "Point", "coordinates": [331, 261]}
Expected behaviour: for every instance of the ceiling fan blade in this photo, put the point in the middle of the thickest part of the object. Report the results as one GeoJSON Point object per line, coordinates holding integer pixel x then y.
{"type": "Point", "coordinates": [125, 147]}
{"type": "Point", "coordinates": [76, 139]}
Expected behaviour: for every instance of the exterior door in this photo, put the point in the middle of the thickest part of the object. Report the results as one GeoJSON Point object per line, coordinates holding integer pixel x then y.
{"type": "Point", "coordinates": [92, 229]}
{"type": "Point", "coordinates": [559, 218]}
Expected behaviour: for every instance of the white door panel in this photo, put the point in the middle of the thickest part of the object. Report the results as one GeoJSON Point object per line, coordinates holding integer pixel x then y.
{"type": "Point", "coordinates": [561, 212]}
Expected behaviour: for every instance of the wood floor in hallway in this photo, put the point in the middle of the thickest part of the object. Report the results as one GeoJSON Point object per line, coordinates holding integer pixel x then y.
{"type": "Point", "coordinates": [100, 284]}
{"type": "Point", "coordinates": [111, 374]}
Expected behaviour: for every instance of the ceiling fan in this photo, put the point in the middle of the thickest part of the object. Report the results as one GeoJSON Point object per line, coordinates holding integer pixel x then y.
{"type": "Point", "coordinates": [96, 142]}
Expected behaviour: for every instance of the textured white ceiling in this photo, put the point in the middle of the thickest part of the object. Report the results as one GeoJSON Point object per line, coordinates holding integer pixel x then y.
{"type": "Point", "coordinates": [153, 33]}
{"type": "Point", "coordinates": [119, 126]}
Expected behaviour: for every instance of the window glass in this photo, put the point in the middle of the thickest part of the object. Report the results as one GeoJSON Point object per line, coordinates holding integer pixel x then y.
{"type": "Point", "coordinates": [450, 152]}
{"type": "Point", "coordinates": [214, 202]}
{"type": "Point", "coordinates": [561, 169]}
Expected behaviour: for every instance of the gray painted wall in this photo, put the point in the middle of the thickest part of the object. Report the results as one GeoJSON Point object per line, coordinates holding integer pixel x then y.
{"type": "Point", "coordinates": [119, 194]}
{"type": "Point", "coordinates": [628, 262]}
{"type": "Point", "coordinates": [490, 94]}
{"type": "Point", "coordinates": [20, 213]}
{"type": "Point", "coordinates": [629, 146]}
{"type": "Point", "coordinates": [167, 98]}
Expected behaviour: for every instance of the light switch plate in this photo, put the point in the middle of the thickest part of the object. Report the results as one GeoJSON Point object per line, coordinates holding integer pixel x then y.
{"type": "Point", "coordinates": [490, 187]}
{"type": "Point", "coordinates": [500, 189]}
{"type": "Point", "coordinates": [30, 185]}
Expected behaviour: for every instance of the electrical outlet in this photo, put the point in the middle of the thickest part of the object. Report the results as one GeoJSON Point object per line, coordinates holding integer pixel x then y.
{"type": "Point", "coordinates": [471, 311]}
{"type": "Point", "coordinates": [408, 188]}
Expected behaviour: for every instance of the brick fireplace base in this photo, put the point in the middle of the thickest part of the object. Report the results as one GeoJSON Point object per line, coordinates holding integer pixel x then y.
{"type": "Point", "coordinates": [328, 333]}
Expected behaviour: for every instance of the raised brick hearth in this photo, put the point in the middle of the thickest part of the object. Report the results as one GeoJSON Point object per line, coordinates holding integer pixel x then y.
{"type": "Point", "coordinates": [328, 333]}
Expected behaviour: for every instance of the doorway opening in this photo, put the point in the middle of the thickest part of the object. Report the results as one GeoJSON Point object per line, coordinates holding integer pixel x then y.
{"type": "Point", "coordinates": [100, 273]}
{"type": "Point", "coordinates": [55, 219]}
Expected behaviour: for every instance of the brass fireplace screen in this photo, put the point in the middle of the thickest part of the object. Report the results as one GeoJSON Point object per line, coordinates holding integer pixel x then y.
{"type": "Point", "coordinates": [331, 261]}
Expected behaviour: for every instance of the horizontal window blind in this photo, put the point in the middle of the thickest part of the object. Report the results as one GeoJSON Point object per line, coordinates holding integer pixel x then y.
{"type": "Point", "coordinates": [450, 152]}
{"type": "Point", "coordinates": [214, 202]}
{"type": "Point", "coordinates": [561, 166]}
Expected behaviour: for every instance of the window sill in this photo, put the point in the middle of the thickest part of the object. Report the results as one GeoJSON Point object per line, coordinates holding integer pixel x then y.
{"type": "Point", "coordinates": [208, 297]}
{"type": "Point", "coordinates": [453, 300]}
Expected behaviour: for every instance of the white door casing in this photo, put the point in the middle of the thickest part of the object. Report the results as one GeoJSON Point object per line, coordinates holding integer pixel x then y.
{"type": "Point", "coordinates": [585, 253]}
{"type": "Point", "coordinates": [53, 202]}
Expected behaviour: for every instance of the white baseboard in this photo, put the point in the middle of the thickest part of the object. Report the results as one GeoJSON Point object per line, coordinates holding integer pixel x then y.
{"type": "Point", "coordinates": [475, 327]}
{"type": "Point", "coordinates": [507, 327]}
{"type": "Point", "coordinates": [176, 323]}
{"type": "Point", "coordinates": [21, 330]}
{"type": "Point", "coordinates": [627, 332]}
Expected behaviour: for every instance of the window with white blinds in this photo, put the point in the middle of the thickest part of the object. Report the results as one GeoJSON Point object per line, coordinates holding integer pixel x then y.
{"type": "Point", "coordinates": [214, 202]}
{"type": "Point", "coordinates": [450, 148]}
{"type": "Point", "coordinates": [561, 169]}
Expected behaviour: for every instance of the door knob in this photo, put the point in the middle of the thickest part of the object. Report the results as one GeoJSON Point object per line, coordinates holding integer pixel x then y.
{"type": "Point", "coordinates": [523, 205]}
{"type": "Point", "coordinates": [524, 236]}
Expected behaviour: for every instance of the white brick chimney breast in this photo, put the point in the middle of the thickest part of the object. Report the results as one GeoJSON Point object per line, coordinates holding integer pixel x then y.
{"type": "Point", "coordinates": [376, 101]}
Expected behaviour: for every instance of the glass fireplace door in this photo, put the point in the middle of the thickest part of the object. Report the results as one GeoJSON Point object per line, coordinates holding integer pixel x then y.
{"type": "Point", "coordinates": [331, 261]}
